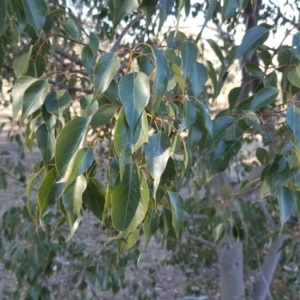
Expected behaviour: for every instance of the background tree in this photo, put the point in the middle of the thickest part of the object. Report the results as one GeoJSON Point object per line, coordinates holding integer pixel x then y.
{"type": "Point", "coordinates": [150, 101]}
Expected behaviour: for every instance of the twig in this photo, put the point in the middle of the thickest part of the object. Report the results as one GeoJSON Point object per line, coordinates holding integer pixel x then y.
{"type": "Point", "coordinates": [200, 240]}
{"type": "Point", "coordinates": [117, 44]}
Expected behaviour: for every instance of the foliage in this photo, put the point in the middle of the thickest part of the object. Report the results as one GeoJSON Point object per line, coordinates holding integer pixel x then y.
{"type": "Point", "coordinates": [150, 104]}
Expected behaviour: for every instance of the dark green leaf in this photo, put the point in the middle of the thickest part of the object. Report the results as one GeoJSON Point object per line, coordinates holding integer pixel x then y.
{"type": "Point", "coordinates": [134, 92]}
{"type": "Point", "coordinates": [189, 115]}
{"type": "Point", "coordinates": [151, 225]}
{"type": "Point", "coordinates": [294, 76]}
{"type": "Point", "coordinates": [271, 80]}
{"type": "Point", "coordinates": [34, 97]}
{"type": "Point", "coordinates": [94, 197]}
{"type": "Point", "coordinates": [94, 43]}
{"type": "Point", "coordinates": [254, 70]}
{"type": "Point", "coordinates": [121, 8]}
{"type": "Point", "coordinates": [293, 122]}
{"type": "Point", "coordinates": [177, 210]}
{"type": "Point", "coordinates": [103, 115]}
{"type": "Point", "coordinates": [222, 154]}
{"type": "Point", "coordinates": [189, 55]}
{"type": "Point", "coordinates": [128, 242]}
{"type": "Point", "coordinates": [21, 62]}
{"type": "Point", "coordinates": [286, 203]}
{"type": "Point", "coordinates": [88, 59]}
{"type": "Point", "coordinates": [157, 153]}
{"type": "Point", "coordinates": [215, 47]}
{"type": "Point", "coordinates": [82, 161]}
{"type": "Point", "coordinates": [46, 143]}
{"type": "Point", "coordinates": [68, 143]}
{"type": "Point", "coordinates": [35, 11]}
{"type": "Point", "coordinates": [209, 13]}
{"type": "Point", "coordinates": [264, 97]}
{"type": "Point", "coordinates": [229, 8]}
{"type": "Point", "coordinates": [213, 77]}
{"type": "Point", "coordinates": [72, 201]}
{"type": "Point", "coordinates": [56, 103]}
{"type": "Point", "coordinates": [174, 39]}
{"type": "Point", "coordinates": [164, 11]}
{"type": "Point", "coordinates": [262, 155]}
{"type": "Point", "coordinates": [197, 77]}
{"type": "Point", "coordinates": [71, 28]}
{"type": "Point", "coordinates": [129, 200]}
{"type": "Point", "coordinates": [105, 70]}
{"type": "Point", "coordinates": [49, 190]}
{"type": "Point", "coordinates": [18, 91]}
{"type": "Point", "coordinates": [251, 41]}
{"type": "Point", "coordinates": [123, 137]}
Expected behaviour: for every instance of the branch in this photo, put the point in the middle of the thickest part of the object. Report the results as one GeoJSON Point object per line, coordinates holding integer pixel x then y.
{"type": "Point", "coordinates": [200, 240]}
{"type": "Point", "coordinates": [69, 56]}
{"type": "Point", "coordinates": [117, 44]}
{"type": "Point", "coordinates": [267, 270]}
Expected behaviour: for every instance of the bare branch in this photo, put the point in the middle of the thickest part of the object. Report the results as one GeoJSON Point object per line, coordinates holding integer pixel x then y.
{"type": "Point", "coordinates": [267, 270]}
{"type": "Point", "coordinates": [117, 44]}
{"type": "Point", "coordinates": [200, 240]}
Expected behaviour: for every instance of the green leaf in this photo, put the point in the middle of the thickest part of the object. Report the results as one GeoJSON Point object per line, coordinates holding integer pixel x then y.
{"type": "Point", "coordinates": [129, 200]}
{"type": "Point", "coordinates": [49, 190]}
{"type": "Point", "coordinates": [82, 161]}
{"type": "Point", "coordinates": [221, 125]}
{"type": "Point", "coordinates": [46, 143]}
{"type": "Point", "coordinates": [294, 76]}
{"type": "Point", "coordinates": [68, 143]}
{"type": "Point", "coordinates": [157, 153]}
{"type": "Point", "coordinates": [105, 70]}
{"type": "Point", "coordinates": [56, 12]}
{"type": "Point", "coordinates": [213, 77]}
{"type": "Point", "coordinates": [271, 79]}
{"type": "Point", "coordinates": [177, 210]}
{"type": "Point", "coordinates": [204, 114]}
{"type": "Point", "coordinates": [251, 41]}
{"type": "Point", "coordinates": [56, 103]}
{"type": "Point", "coordinates": [94, 43]}
{"type": "Point", "coordinates": [264, 97]}
{"type": "Point", "coordinates": [174, 39]}
{"type": "Point", "coordinates": [209, 13]}
{"type": "Point", "coordinates": [229, 8]}
{"type": "Point", "coordinates": [151, 225]}
{"type": "Point", "coordinates": [17, 93]}
{"type": "Point", "coordinates": [189, 115]}
{"type": "Point", "coordinates": [88, 59]}
{"type": "Point", "coordinates": [30, 184]}
{"type": "Point", "coordinates": [215, 47]}
{"type": "Point", "coordinates": [222, 154]}
{"type": "Point", "coordinates": [164, 11]}
{"type": "Point", "coordinates": [134, 92]}
{"type": "Point", "coordinates": [34, 97]}
{"type": "Point", "coordinates": [3, 11]}
{"type": "Point", "coordinates": [197, 77]}
{"type": "Point", "coordinates": [286, 203]}
{"type": "Point", "coordinates": [21, 62]}
{"type": "Point", "coordinates": [293, 121]}
{"type": "Point", "coordinates": [35, 12]}
{"type": "Point", "coordinates": [262, 155]}
{"type": "Point", "coordinates": [104, 114]}
{"type": "Point", "coordinates": [254, 70]}
{"type": "Point", "coordinates": [161, 75]}
{"type": "Point", "coordinates": [178, 76]}
{"type": "Point", "coordinates": [128, 242]}
{"type": "Point", "coordinates": [71, 28]}
{"type": "Point", "coordinates": [72, 201]}
{"type": "Point", "coordinates": [94, 197]}
{"type": "Point", "coordinates": [123, 137]}
{"type": "Point", "coordinates": [121, 8]}
{"type": "Point", "coordinates": [189, 55]}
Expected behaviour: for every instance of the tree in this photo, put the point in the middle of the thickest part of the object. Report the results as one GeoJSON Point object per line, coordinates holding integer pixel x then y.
{"type": "Point", "coordinates": [149, 102]}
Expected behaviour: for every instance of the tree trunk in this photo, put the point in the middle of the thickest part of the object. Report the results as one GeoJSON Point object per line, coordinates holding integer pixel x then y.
{"type": "Point", "coordinates": [230, 257]}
